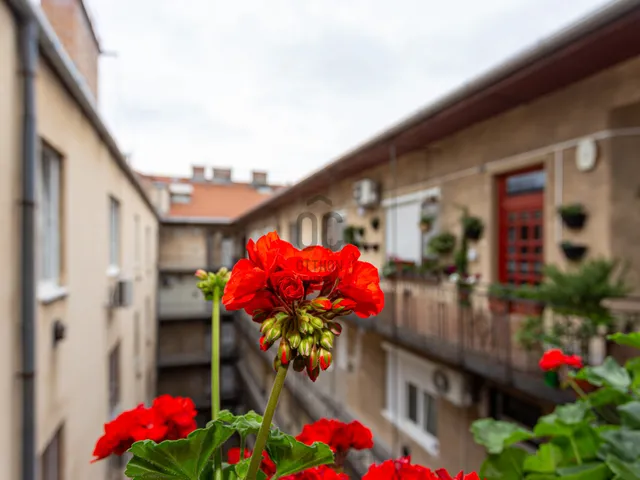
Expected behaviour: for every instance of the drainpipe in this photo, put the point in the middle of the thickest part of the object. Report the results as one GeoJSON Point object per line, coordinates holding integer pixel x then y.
{"type": "Point", "coordinates": [29, 54]}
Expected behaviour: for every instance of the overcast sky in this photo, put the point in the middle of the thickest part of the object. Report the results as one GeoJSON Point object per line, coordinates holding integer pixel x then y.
{"type": "Point", "coordinates": [289, 85]}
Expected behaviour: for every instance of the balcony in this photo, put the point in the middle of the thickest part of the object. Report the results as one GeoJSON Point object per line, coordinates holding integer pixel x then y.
{"type": "Point", "coordinates": [431, 320]}
{"type": "Point", "coordinates": [189, 344]}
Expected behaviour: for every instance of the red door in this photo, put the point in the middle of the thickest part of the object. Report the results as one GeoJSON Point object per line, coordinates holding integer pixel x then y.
{"type": "Point", "coordinates": [521, 217]}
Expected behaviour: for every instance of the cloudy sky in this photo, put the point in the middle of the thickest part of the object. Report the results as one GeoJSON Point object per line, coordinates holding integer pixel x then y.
{"type": "Point", "coordinates": [288, 85]}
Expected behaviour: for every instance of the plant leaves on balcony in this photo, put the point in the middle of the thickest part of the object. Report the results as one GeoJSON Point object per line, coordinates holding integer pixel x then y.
{"type": "Point", "coordinates": [292, 456]}
{"type": "Point", "coordinates": [609, 373]}
{"type": "Point", "coordinates": [496, 435]}
{"type": "Point", "coordinates": [507, 465]}
{"type": "Point", "coordinates": [630, 414]}
{"type": "Point", "coordinates": [247, 424]}
{"type": "Point", "coordinates": [242, 468]}
{"type": "Point", "coordinates": [185, 459]}
{"type": "Point", "coordinates": [621, 443]}
{"type": "Point", "coordinates": [626, 339]}
{"type": "Point", "coordinates": [624, 470]}
{"type": "Point", "coordinates": [587, 471]}
{"type": "Point", "coordinates": [546, 460]}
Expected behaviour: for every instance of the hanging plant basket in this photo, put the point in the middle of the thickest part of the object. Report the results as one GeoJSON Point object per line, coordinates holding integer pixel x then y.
{"type": "Point", "coordinates": [573, 252]}
{"type": "Point", "coordinates": [442, 244]}
{"type": "Point", "coordinates": [573, 216]}
{"type": "Point", "coordinates": [375, 223]}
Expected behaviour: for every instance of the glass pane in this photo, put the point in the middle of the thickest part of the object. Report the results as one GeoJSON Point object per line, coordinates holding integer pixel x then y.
{"type": "Point", "coordinates": [524, 232]}
{"type": "Point", "coordinates": [537, 232]}
{"type": "Point", "coordinates": [511, 266]}
{"type": "Point", "coordinates": [412, 402]}
{"type": "Point", "coordinates": [511, 249]}
{"type": "Point", "coordinates": [538, 250]}
{"type": "Point", "coordinates": [526, 182]}
{"type": "Point", "coordinates": [524, 215]}
{"type": "Point", "coordinates": [537, 214]}
{"type": "Point", "coordinates": [524, 250]}
{"type": "Point", "coordinates": [524, 267]}
{"type": "Point", "coordinates": [512, 217]}
{"type": "Point", "coordinates": [430, 417]}
{"type": "Point", "coordinates": [512, 234]}
{"type": "Point", "coordinates": [538, 267]}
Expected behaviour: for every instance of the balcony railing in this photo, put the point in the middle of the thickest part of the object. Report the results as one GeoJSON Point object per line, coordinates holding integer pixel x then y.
{"type": "Point", "coordinates": [469, 331]}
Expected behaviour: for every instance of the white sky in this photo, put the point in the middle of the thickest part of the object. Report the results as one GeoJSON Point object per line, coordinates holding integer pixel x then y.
{"type": "Point", "coordinates": [289, 85]}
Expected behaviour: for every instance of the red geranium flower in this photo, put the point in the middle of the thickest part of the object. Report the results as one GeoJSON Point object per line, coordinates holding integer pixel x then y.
{"type": "Point", "coordinates": [554, 359]}
{"type": "Point", "coordinates": [341, 437]}
{"type": "Point", "coordinates": [319, 473]}
{"type": "Point", "coordinates": [442, 474]}
{"type": "Point", "coordinates": [400, 469]}
{"type": "Point", "coordinates": [288, 286]}
{"type": "Point", "coordinates": [178, 414]}
{"type": "Point", "coordinates": [267, 465]}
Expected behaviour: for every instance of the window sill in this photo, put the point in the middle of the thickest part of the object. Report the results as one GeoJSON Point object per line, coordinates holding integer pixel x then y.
{"type": "Point", "coordinates": [424, 439]}
{"type": "Point", "coordinates": [113, 271]}
{"type": "Point", "coordinates": [50, 293]}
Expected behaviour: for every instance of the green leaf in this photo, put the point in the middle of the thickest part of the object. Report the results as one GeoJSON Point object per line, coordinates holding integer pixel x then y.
{"type": "Point", "coordinates": [496, 435]}
{"type": "Point", "coordinates": [541, 476]}
{"type": "Point", "coordinates": [292, 456]}
{"type": "Point", "coordinates": [551, 426]}
{"type": "Point", "coordinates": [247, 424]}
{"type": "Point", "coordinates": [624, 444]}
{"type": "Point", "coordinates": [586, 441]}
{"type": "Point", "coordinates": [184, 459]}
{"type": "Point", "coordinates": [587, 471]}
{"type": "Point", "coordinates": [607, 396]}
{"type": "Point", "coordinates": [624, 470]}
{"type": "Point", "coordinates": [546, 460]}
{"type": "Point", "coordinates": [609, 373]}
{"type": "Point", "coordinates": [573, 413]}
{"type": "Point", "coordinates": [242, 468]}
{"type": "Point", "coordinates": [628, 339]}
{"type": "Point", "coordinates": [507, 465]}
{"type": "Point", "coordinates": [630, 414]}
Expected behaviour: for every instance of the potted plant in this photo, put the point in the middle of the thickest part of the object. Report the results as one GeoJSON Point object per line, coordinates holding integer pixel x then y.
{"type": "Point", "coordinates": [353, 235]}
{"type": "Point", "coordinates": [498, 296]}
{"type": "Point", "coordinates": [573, 215]}
{"type": "Point", "coordinates": [442, 244]}
{"type": "Point", "coordinates": [526, 301]}
{"type": "Point", "coordinates": [573, 251]}
{"type": "Point", "coordinates": [375, 223]}
{"type": "Point", "coordinates": [472, 227]}
{"type": "Point", "coordinates": [426, 221]}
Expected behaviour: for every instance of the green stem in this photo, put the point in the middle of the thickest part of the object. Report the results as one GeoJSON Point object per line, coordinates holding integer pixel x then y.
{"type": "Point", "coordinates": [215, 374]}
{"type": "Point", "coordinates": [575, 450]}
{"type": "Point", "coordinates": [242, 448]}
{"type": "Point", "coordinates": [263, 433]}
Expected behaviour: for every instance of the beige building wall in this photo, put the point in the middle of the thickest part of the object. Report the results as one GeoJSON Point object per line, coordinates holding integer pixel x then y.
{"type": "Point", "coordinates": [72, 382]}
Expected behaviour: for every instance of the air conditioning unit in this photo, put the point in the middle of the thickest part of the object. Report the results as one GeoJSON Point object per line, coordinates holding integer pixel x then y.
{"type": "Point", "coordinates": [366, 193]}
{"type": "Point", "coordinates": [453, 386]}
{"type": "Point", "coordinates": [121, 295]}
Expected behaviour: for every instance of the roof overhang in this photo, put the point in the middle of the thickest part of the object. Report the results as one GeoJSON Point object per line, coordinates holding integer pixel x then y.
{"type": "Point", "coordinates": [609, 36]}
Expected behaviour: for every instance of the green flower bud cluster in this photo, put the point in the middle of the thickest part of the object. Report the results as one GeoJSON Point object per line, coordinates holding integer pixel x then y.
{"type": "Point", "coordinates": [306, 339]}
{"type": "Point", "coordinates": [209, 281]}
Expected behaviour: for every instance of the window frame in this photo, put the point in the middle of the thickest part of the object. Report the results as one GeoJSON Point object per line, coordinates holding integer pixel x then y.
{"type": "Point", "coordinates": [54, 447]}
{"type": "Point", "coordinates": [115, 226]}
{"type": "Point", "coordinates": [50, 221]}
{"type": "Point", "coordinates": [114, 379]}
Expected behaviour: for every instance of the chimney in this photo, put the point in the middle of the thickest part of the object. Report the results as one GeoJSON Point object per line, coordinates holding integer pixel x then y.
{"type": "Point", "coordinates": [198, 173]}
{"type": "Point", "coordinates": [258, 178]}
{"type": "Point", "coordinates": [73, 26]}
{"type": "Point", "coordinates": [221, 175]}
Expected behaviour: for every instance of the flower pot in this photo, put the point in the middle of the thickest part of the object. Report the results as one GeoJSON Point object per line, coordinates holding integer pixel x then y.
{"type": "Point", "coordinates": [551, 379]}
{"type": "Point", "coordinates": [574, 221]}
{"type": "Point", "coordinates": [573, 252]}
{"type": "Point", "coordinates": [425, 227]}
{"type": "Point", "coordinates": [473, 233]}
{"type": "Point", "coordinates": [530, 308]}
{"type": "Point", "coordinates": [498, 305]}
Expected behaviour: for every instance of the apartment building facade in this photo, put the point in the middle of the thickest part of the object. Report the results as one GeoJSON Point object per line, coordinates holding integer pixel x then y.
{"type": "Point", "coordinates": [557, 125]}
{"type": "Point", "coordinates": [78, 296]}
{"type": "Point", "coordinates": [196, 232]}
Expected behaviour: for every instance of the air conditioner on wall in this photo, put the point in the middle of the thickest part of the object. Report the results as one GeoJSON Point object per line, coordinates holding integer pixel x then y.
{"type": "Point", "coordinates": [453, 386]}
{"type": "Point", "coordinates": [366, 193]}
{"type": "Point", "coordinates": [121, 294]}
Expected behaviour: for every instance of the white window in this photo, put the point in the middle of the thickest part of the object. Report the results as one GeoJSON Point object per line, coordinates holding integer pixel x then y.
{"type": "Point", "coordinates": [227, 249]}
{"type": "Point", "coordinates": [412, 398]}
{"type": "Point", "coordinates": [49, 215]}
{"type": "Point", "coordinates": [402, 232]}
{"type": "Point", "coordinates": [137, 240]}
{"type": "Point", "coordinates": [114, 382]}
{"type": "Point", "coordinates": [114, 233]}
{"type": "Point", "coordinates": [148, 247]}
{"type": "Point", "coordinates": [51, 460]}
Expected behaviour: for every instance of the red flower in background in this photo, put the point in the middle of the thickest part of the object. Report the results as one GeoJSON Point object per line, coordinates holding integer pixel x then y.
{"type": "Point", "coordinates": [400, 469]}
{"type": "Point", "coordinates": [341, 437]}
{"type": "Point", "coordinates": [169, 418]}
{"type": "Point", "coordinates": [319, 473]}
{"type": "Point", "coordinates": [442, 474]}
{"type": "Point", "coordinates": [267, 465]}
{"type": "Point", "coordinates": [554, 359]}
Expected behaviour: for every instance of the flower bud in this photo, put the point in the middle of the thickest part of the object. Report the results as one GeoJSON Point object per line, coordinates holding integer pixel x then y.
{"type": "Point", "coordinates": [259, 316]}
{"type": "Point", "coordinates": [267, 324]}
{"type": "Point", "coordinates": [335, 328]}
{"type": "Point", "coordinates": [201, 274]}
{"type": "Point", "coordinates": [325, 358]}
{"type": "Point", "coordinates": [294, 339]}
{"type": "Point", "coordinates": [321, 304]}
{"type": "Point", "coordinates": [326, 339]}
{"type": "Point", "coordinates": [343, 306]}
{"type": "Point", "coordinates": [299, 363]}
{"type": "Point", "coordinates": [284, 352]}
{"type": "Point", "coordinates": [316, 322]}
{"type": "Point", "coordinates": [305, 346]}
{"type": "Point", "coordinates": [305, 328]}
{"type": "Point", "coordinates": [265, 344]}
{"type": "Point", "coordinates": [276, 363]}
{"type": "Point", "coordinates": [313, 374]}
{"type": "Point", "coordinates": [312, 361]}
{"type": "Point", "coordinates": [281, 316]}
{"type": "Point", "coordinates": [273, 333]}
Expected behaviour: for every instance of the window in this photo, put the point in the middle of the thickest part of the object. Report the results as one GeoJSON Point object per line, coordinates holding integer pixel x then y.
{"type": "Point", "coordinates": [178, 198]}
{"type": "Point", "coordinates": [51, 461]}
{"type": "Point", "coordinates": [148, 247]}
{"type": "Point", "coordinates": [402, 229]}
{"type": "Point", "coordinates": [333, 225]}
{"type": "Point", "coordinates": [136, 334]}
{"type": "Point", "coordinates": [294, 234]}
{"type": "Point", "coordinates": [227, 249]}
{"type": "Point", "coordinates": [421, 409]}
{"type": "Point", "coordinates": [114, 233]}
{"type": "Point", "coordinates": [114, 381]}
{"type": "Point", "coordinates": [137, 240]}
{"type": "Point", "coordinates": [49, 213]}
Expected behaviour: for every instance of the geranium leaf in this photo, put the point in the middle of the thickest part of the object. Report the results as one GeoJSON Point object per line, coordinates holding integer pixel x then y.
{"type": "Point", "coordinates": [496, 435]}
{"type": "Point", "coordinates": [247, 424]}
{"type": "Point", "coordinates": [607, 396]}
{"type": "Point", "coordinates": [628, 339]}
{"type": "Point", "coordinates": [242, 468]}
{"type": "Point", "coordinates": [508, 465]}
{"type": "Point", "coordinates": [609, 373]}
{"type": "Point", "coordinates": [551, 426]}
{"type": "Point", "coordinates": [630, 414]}
{"type": "Point", "coordinates": [587, 471]}
{"type": "Point", "coordinates": [573, 413]}
{"type": "Point", "coordinates": [292, 456]}
{"type": "Point", "coordinates": [621, 443]}
{"type": "Point", "coordinates": [546, 459]}
{"type": "Point", "coordinates": [624, 470]}
{"type": "Point", "coordinates": [185, 459]}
